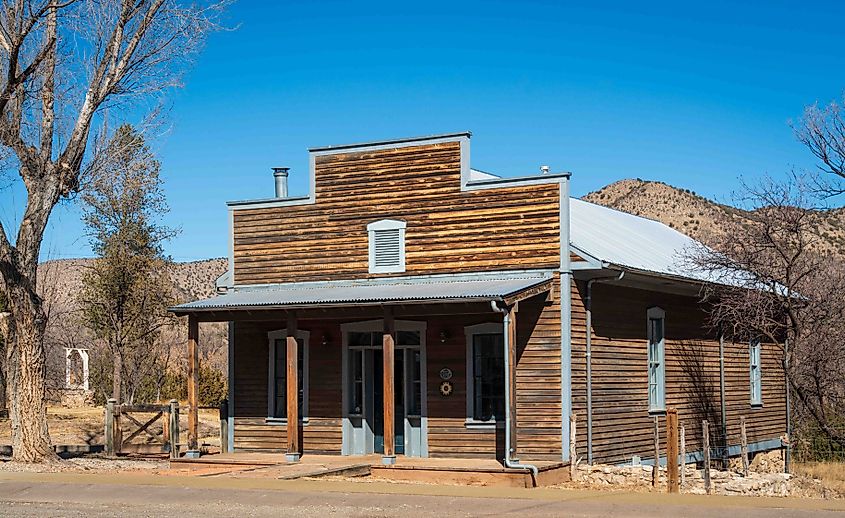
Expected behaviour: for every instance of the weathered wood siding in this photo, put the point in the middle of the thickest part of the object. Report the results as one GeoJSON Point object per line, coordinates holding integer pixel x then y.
{"type": "Point", "coordinates": [322, 433]}
{"type": "Point", "coordinates": [538, 396]}
{"type": "Point", "coordinates": [538, 387]}
{"type": "Point", "coordinates": [622, 426]}
{"type": "Point", "coordinates": [447, 231]}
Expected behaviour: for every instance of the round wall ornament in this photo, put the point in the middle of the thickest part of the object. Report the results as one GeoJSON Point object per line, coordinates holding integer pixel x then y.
{"type": "Point", "coordinates": [446, 388]}
{"type": "Point", "coordinates": [445, 373]}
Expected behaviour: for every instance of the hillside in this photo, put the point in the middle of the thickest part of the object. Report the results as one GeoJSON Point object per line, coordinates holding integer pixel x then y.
{"type": "Point", "coordinates": [60, 280]}
{"type": "Point", "coordinates": [695, 215]}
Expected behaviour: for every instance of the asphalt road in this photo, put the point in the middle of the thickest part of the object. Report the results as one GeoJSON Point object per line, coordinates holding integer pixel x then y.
{"type": "Point", "coordinates": [70, 496]}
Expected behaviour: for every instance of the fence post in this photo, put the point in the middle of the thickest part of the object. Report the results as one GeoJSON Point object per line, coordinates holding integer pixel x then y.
{"type": "Point", "coordinates": [224, 426]}
{"type": "Point", "coordinates": [109, 427]}
{"type": "Point", "coordinates": [743, 438]}
{"type": "Point", "coordinates": [672, 450]}
{"type": "Point", "coordinates": [573, 460]}
{"type": "Point", "coordinates": [173, 427]}
{"type": "Point", "coordinates": [705, 438]}
{"type": "Point", "coordinates": [655, 471]}
{"type": "Point", "coordinates": [683, 454]}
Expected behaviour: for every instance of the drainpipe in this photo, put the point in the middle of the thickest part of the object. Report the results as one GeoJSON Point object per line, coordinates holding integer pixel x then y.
{"type": "Point", "coordinates": [589, 355]}
{"type": "Point", "coordinates": [722, 393]}
{"type": "Point", "coordinates": [510, 463]}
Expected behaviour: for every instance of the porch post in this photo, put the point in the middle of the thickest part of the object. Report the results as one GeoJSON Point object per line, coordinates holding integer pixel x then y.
{"type": "Point", "coordinates": [511, 378]}
{"type": "Point", "coordinates": [193, 382]}
{"type": "Point", "coordinates": [294, 448]}
{"type": "Point", "coordinates": [388, 342]}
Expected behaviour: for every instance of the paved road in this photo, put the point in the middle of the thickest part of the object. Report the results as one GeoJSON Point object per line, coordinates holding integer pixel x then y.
{"type": "Point", "coordinates": [63, 495]}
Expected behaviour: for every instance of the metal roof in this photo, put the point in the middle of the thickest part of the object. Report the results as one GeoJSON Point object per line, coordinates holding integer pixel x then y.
{"type": "Point", "coordinates": [622, 239]}
{"type": "Point", "coordinates": [434, 288]}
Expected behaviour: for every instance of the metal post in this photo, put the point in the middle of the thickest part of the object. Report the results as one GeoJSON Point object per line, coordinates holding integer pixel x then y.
{"type": "Point", "coordinates": [655, 472]}
{"type": "Point", "coordinates": [173, 428]}
{"type": "Point", "coordinates": [705, 437]}
{"type": "Point", "coordinates": [743, 441]}
{"type": "Point", "coordinates": [683, 454]}
{"type": "Point", "coordinates": [109, 427]}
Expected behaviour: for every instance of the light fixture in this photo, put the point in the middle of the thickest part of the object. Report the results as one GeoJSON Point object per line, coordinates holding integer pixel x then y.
{"type": "Point", "coordinates": [325, 340]}
{"type": "Point", "coordinates": [444, 335]}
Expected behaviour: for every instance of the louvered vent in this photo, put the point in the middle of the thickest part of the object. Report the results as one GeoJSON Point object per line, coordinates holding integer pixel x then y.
{"type": "Point", "coordinates": [387, 248]}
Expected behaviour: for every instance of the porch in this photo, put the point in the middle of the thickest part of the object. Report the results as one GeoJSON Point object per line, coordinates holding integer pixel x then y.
{"type": "Point", "coordinates": [449, 471]}
{"type": "Point", "coordinates": [465, 367]}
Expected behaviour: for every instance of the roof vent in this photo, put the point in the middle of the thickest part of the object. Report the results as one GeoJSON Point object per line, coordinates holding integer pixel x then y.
{"type": "Point", "coordinates": [280, 175]}
{"type": "Point", "coordinates": [544, 169]}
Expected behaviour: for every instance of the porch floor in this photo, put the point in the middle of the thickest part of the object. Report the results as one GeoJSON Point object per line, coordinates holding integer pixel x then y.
{"type": "Point", "coordinates": [457, 471]}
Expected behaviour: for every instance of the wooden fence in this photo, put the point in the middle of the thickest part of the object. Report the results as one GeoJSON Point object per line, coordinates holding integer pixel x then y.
{"type": "Point", "coordinates": [126, 424]}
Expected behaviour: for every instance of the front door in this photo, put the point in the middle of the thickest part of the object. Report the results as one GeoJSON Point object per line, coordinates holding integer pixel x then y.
{"type": "Point", "coordinates": [363, 428]}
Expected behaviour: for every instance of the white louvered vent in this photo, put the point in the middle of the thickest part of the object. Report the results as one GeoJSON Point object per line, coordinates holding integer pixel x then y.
{"type": "Point", "coordinates": [387, 246]}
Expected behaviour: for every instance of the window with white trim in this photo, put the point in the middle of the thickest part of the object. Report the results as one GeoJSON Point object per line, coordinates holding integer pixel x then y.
{"type": "Point", "coordinates": [386, 246]}
{"type": "Point", "coordinates": [656, 360]}
{"type": "Point", "coordinates": [277, 406]}
{"type": "Point", "coordinates": [485, 374]}
{"type": "Point", "coordinates": [756, 373]}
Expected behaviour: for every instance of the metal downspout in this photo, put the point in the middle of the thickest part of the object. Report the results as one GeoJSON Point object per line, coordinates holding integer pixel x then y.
{"type": "Point", "coordinates": [589, 359]}
{"type": "Point", "coordinates": [722, 386]}
{"type": "Point", "coordinates": [513, 464]}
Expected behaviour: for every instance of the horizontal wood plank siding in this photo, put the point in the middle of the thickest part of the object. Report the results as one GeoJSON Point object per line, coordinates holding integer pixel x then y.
{"type": "Point", "coordinates": [622, 426]}
{"type": "Point", "coordinates": [448, 230]}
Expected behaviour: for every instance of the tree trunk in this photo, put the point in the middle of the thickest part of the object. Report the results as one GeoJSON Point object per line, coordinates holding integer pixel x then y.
{"type": "Point", "coordinates": [4, 339]}
{"type": "Point", "coordinates": [26, 375]}
{"type": "Point", "coordinates": [117, 370]}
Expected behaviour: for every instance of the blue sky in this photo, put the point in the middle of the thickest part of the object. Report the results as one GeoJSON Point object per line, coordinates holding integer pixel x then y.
{"type": "Point", "coordinates": [693, 95]}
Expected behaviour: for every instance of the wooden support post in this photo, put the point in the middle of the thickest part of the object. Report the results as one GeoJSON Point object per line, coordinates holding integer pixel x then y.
{"type": "Point", "coordinates": [655, 471]}
{"type": "Point", "coordinates": [573, 460]}
{"type": "Point", "coordinates": [173, 429]}
{"type": "Point", "coordinates": [193, 384]}
{"type": "Point", "coordinates": [511, 379]}
{"type": "Point", "coordinates": [705, 438]}
{"type": "Point", "coordinates": [388, 348]}
{"type": "Point", "coordinates": [109, 427]}
{"type": "Point", "coordinates": [743, 441]}
{"type": "Point", "coordinates": [683, 455]}
{"type": "Point", "coordinates": [224, 426]}
{"type": "Point", "coordinates": [294, 447]}
{"type": "Point", "coordinates": [672, 482]}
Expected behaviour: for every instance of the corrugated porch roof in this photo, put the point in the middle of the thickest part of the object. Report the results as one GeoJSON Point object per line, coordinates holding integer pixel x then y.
{"type": "Point", "coordinates": [502, 286]}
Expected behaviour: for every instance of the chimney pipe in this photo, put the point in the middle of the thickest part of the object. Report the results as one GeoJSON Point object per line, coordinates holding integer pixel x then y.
{"type": "Point", "coordinates": [280, 175]}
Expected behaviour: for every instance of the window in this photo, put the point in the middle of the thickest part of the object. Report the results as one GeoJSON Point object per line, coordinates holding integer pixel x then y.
{"type": "Point", "coordinates": [756, 372]}
{"type": "Point", "coordinates": [277, 407]}
{"type": "Point", "coordinates": [387, 246]}
{"type": "Point", "coordinates": [656, 360]}
{"type": "Point", "coordinates": [485, 374]}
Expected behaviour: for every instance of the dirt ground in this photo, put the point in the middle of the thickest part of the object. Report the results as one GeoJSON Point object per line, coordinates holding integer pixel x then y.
{"type": "Point", "coordinates": [121, 494]}
{"type": "Point", "coordinates": [85, 426]}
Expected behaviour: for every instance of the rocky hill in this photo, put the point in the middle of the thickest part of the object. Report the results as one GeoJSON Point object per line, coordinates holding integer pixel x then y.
{"type": "Point", "coordinates": [60, 280]}
{"type": "Point", "coordinates": [696, 216]}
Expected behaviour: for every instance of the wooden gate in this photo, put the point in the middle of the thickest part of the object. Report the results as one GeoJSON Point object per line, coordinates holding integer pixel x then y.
{"type": "Point", "coordinates": [125, 424]}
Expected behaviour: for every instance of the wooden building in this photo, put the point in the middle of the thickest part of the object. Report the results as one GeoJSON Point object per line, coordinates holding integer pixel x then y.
{"type": "Point", "coordinates": [409, 305]}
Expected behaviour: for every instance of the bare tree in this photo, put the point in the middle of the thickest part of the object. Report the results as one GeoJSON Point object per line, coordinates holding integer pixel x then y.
{"type": "Point", "coordinates": [773, 281]}
{"type": "Point", "coordinates": [63, 63]}
{"type": "Point", "coordinates": [822, 131]}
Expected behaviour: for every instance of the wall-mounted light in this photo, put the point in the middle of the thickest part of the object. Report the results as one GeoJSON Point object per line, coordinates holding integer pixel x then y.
{"type": "Point", "coordinates": [325, 340]}
{"type": "Point", "coordinates": [444, 335]}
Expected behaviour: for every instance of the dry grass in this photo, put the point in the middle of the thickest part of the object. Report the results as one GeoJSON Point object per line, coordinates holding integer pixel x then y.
{"type": "Point", "coordinates": [75, 426]}
{"type": "Point", "coordinates": [831, 474]}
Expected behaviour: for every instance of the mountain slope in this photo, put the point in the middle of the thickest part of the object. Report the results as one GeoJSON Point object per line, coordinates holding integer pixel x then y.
{"type": "Point", "coordinates": [697, 216]}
